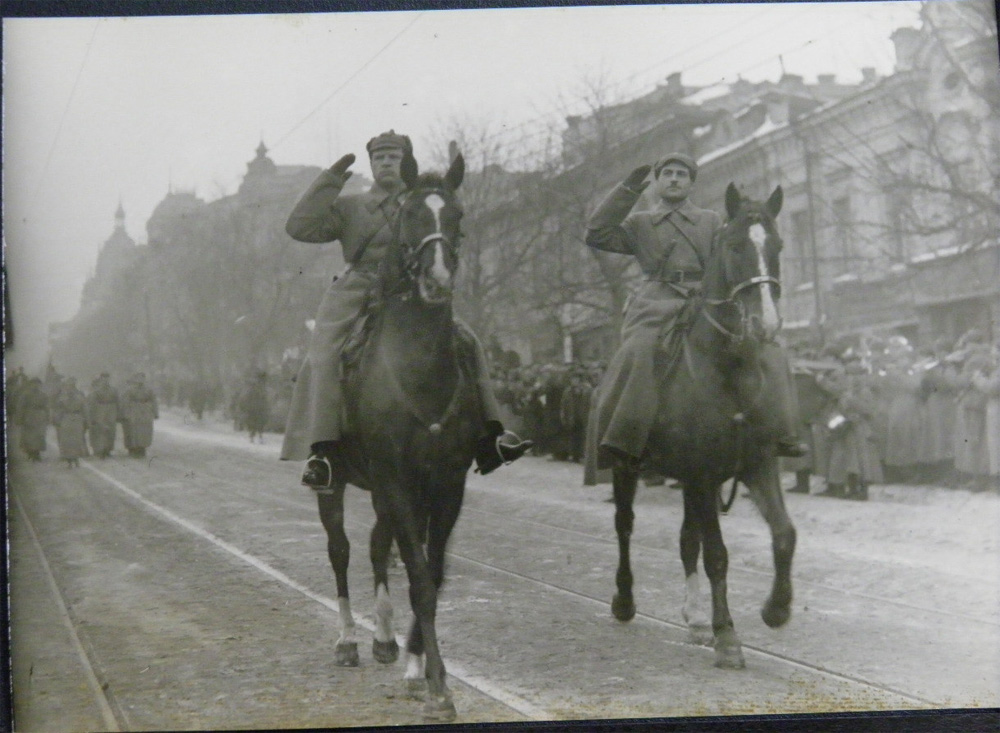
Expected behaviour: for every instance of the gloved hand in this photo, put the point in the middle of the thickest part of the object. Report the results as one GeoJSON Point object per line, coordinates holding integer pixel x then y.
{"type": "Point", "coordinates": [340, 167]}
{"type": "Point", "coordinates": [636, 181]}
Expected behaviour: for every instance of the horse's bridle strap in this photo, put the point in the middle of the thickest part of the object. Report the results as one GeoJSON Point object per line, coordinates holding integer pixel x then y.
{"type": "Point", "coordinates": [758, 280]}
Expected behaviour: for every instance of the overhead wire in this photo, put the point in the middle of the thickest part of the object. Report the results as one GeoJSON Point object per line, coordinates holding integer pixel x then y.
{"type": "Point", "coordinates": [348, 80]}
{"type": "Point", "coordinates": [63, 116]}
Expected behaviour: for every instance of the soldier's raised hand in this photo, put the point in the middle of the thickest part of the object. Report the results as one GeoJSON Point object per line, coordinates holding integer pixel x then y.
{"type": "Point", "coordinates": [341, 166]}
{"type": "Point", "coordinates": [636, 181]}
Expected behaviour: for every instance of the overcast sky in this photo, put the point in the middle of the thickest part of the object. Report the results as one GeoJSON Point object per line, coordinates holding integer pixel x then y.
{"type": "Point", "coordinates": [102, 109]}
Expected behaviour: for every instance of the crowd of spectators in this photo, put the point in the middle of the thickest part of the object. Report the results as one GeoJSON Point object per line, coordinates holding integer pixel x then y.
{"type": "Point", "coordinates": [896, 414]}
{"type": "Point", "coordinates": [549, 404]}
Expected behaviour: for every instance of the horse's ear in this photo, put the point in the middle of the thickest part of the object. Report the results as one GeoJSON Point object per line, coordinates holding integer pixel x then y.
{"type": "Point", "coordinates": [456, 172]}
{"type": "Point", "coordinates": [773, 204]}
{"type": "Point", "coordinates": [732, 200]}
{"type": "Point", "coordinates": [408, 170]}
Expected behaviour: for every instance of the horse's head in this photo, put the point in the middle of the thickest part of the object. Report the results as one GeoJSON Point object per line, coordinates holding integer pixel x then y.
{"type": "Point", "coordinates": [428, 230]}
{"type": "Point", "coordinates": [746, 282]}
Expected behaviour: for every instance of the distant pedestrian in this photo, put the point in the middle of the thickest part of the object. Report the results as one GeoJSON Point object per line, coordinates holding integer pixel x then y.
{"type": "Point", "coordinates": [138, 410]}
{"type": "Point", "coordinates": [102, 416]}
{"type": "Point", "coordinates": [69, 414]}
{"type": "Point", "coordinates": [32, 413]}
{"type": "Point", "coordinates": [254, 406]}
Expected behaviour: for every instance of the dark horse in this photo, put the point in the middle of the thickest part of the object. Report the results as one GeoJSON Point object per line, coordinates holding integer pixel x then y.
{"type": "Point", "coordinates": [414, 415]}
{"type": "Point", "coordinates": [709, 426]}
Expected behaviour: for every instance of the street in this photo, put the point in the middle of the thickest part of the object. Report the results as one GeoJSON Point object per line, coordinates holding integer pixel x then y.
{"type": "Point", "coordinates": [191, 590]}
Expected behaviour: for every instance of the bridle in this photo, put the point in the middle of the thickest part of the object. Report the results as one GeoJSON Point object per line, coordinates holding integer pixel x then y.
{"type": "Point", "coordinates": [411, 255]}
{"type": "Point", "coordinates": [745, 319]}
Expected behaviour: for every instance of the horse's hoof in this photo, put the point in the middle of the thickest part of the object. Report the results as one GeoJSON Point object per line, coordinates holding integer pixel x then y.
{"type": "Point", "coordinates": [346, 654]}
{"type": "Point", "coordinates": [774, 615]}
{"type": "Point", "coordinates": [385, 652]}
{"type": "Point", "coordinates": [439, 709]}
{"type": "Point", "coordinates": [700, 634]}
{"type": "Point", "coordinates": [728, 650]}
{"type": "Point", "coordinates": [623, 608]}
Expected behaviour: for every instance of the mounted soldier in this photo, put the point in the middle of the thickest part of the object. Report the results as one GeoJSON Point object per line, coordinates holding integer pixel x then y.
{"type": "Point", "coordinates": [672, 243]}
{"type": "Point", "coordinates": [362, 223]}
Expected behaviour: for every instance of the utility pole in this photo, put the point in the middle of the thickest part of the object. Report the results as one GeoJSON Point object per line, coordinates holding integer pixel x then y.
{"type": "Point", "coordinates": [807, 156]}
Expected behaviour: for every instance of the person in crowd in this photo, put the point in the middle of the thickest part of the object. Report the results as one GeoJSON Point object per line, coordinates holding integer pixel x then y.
{"type": "Point", "coordinates": [672, 243]}
{"type": "Point", "coordinates": [971, 446]}
{"type": "Point", "coordinates": [904, 419]}
{"type": "Point", "coordinates": [938, 387]}
{"type": "Point", "coordinates": [854, 464]}
{"type": "Point", "coordinates": [574, 406]}
{"type": "Point", "coordinates": [33, 418]}
{"type": "Point", "coordinates": [362, 224]}
{"type": "Point", "coordinates": [816, 407]}
{"type": "Point", "coordinates": [254, 406]}
{"type": "Point", "coordinates": [102, 416]}
{"type": "Point", "coordinates": [138, 411]}
{"type": "Point", "coordinates": [69, 415]}
{"type": "Point", "coordinates": [987, 382]}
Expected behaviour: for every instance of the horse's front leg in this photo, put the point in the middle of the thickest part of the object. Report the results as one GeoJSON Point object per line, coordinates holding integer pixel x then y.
{"type": "Point", "coordinates": [410, 523]}
{"type": "Point", "coordinates": [764, 482]}
{"type": "Point", "coordinates": [694, 610]}
{"type": "Point", "coordinates": [384, 646]}
{"type": "Point", "coordinates": [704, 502]}
{"type": "Point", "coordinates": [331, 514]}
{"type": "Point", "coordinates": [625, 478]}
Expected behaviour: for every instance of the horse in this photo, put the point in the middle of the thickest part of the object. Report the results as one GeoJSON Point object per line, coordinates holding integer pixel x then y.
{"type": "Point", "coordinates": [709, 426]}
{"type": "Point", "coordinates": [414, 413]}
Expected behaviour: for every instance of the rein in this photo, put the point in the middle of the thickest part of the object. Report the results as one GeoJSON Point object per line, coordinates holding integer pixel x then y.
{"type": "Point", "coordinates": [410, 263]}
{"type": "Point", "coordinates": [739, 419]}
{"type": "Point", "coordinates": [434, 427]}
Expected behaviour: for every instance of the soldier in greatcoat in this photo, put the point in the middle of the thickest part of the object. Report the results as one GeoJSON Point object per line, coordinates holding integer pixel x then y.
{"type": "Point", "coordinates": [138, 411]}
{"type": "Point", "coordinates": [854, 462]}
{"type": "Point", "coordinates": [672, 243]}
{"type": "Point", "coordinates": [102, 416]}
{"type": "Point", "coordinates": [33, 418]}
{"type": "Point", "coordinates": [362, 223]}
{"type": "Point", "coordinates": [574, 407]}
{"type": "Point", "coordinates": [253, 406]}
{"type": "Point", "coordinates": [69, 415]}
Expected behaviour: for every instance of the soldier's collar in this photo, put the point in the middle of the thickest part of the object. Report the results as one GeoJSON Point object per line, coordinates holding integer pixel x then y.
{"type": "Point", "coordinates": [379, 196]}
{"type": "Point", "coordinates": [687, 210]}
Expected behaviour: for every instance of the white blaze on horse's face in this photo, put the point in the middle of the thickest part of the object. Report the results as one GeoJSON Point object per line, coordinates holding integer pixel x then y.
{"type": "Point", "coordinates": [439, 270]}
{"type": "Point", "coordinates": [769, 310]}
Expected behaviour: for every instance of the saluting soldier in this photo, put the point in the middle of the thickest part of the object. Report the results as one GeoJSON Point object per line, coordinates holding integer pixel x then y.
{"type": "Point", "coordinates": [362, 225]}
{"type": "Point", "coordinates": [672, 243]}
{"type": "Point", "coordinates": [102, 414]}
{"type": "Point", "coordinates": [138, 411]}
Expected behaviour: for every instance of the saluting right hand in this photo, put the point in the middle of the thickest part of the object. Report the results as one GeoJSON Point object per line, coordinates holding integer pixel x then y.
{"type": "Point", "coordinates": [341, 166]}
{"type": "Point", "coordinates": [636, 181]}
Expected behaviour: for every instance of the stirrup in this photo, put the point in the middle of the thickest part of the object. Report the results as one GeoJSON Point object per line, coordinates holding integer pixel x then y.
{"type": "Point", "coordinates": [318, 474]}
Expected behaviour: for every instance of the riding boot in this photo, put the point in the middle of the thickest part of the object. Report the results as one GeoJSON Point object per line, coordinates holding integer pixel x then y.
{"type": "Point", "coordinates": [318, 473]}
{"type": "Point", "coordinates": [498, 447]}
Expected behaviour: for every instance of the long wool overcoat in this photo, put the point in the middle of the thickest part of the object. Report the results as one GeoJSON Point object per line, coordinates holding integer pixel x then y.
{"type": "Point", "coordinates": [69, 413]}
{"type": "Point", "coordinates": [102, 414]}
{"type": "Point", "coordinates": [33, 419]}
{"type": "Point", "coordinates": [671, 247]}
{"type": "Point", "coordinates": [362, 225]}
{"type": "Point", "coordinates": [138, 410]}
